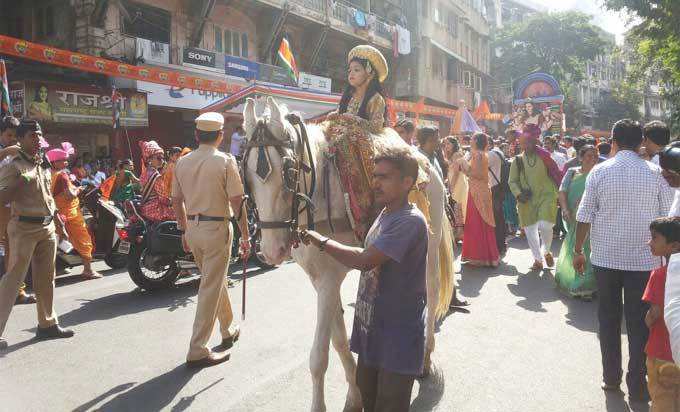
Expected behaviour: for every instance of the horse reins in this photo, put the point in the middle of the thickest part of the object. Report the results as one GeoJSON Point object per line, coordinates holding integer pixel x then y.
{"type": "Point", "coordinates": [292, 169]}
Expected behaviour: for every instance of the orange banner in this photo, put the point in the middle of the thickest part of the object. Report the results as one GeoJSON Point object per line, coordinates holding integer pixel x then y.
{"type": "Point", "coordinates": [84, 62]}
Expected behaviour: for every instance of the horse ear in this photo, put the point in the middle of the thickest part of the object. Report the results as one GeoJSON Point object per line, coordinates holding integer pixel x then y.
{"type": "Point", "coordinates": [276, 120]}
{"type": "Point", "coordinates": [249, 116]}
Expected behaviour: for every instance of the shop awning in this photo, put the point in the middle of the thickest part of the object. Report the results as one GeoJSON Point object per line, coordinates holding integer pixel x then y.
{"type": "Point", "coordinates": [309, 104]}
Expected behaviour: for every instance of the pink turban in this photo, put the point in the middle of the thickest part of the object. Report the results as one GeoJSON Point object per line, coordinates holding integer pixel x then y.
{"type": "Point", "coordinates": [531, 131]}
{"type": "Point", "coordinates": [66, 150]}
{"type": "Point", "coordinates": [150, 148]}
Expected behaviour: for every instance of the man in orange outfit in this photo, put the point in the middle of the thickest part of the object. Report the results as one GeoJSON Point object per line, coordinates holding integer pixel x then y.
{"type": "Point", "coordinates": [66, 197]}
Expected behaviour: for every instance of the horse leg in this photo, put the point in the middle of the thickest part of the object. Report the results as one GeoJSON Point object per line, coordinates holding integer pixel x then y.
{"type": "Point", "coordinates": [341, 346]}
{"type": "Point", "coordinates": [326, 308]}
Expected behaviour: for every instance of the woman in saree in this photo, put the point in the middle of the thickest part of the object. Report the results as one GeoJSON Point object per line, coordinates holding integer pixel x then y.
{"type": "Point", "coordinates": [479, 248]}
{"type": "Point", "coordinates": [156, 204]}
{"type": "Point", "coordinates": [457, 183]}
{"type": "Point", "coordinates": [571, 190]}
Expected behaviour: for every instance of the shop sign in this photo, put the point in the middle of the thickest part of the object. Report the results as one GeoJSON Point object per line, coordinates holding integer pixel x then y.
{"type": "Point", "coordinates": [17, 92]}
{"type": "Point", "coordinates": [275, 74]}
{"type": "Point", "coordinates": [315, 83]}
{"type": "Point", "coordinates": [199, 57]}
{"type": "Point", "coordinates": [66, 103]}
{"type": "Point", "coordinates": [239, 67]}
{"type": "Point", "coordinates": [182, 98]}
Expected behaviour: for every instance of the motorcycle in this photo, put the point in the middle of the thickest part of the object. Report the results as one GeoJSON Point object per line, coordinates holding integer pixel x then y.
{"type": "Point", "coordinates": [103, 219]}
{"type": "Point", "coordinates": [156, 256]}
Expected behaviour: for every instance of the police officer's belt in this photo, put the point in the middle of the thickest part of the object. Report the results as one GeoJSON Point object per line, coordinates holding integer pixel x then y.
{"type": "Point", "coordinates": [202, 218]}
{"type": "Point", "coordinates": [43, 220]}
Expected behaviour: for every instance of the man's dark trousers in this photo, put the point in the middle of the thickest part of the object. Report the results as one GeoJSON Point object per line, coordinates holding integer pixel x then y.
{"type": "Point", "coordinates": [610, 285]}
{"type": "Point", "coordinates": [498, 197]}
{"type": "Point", "coordinates": [382, 390]}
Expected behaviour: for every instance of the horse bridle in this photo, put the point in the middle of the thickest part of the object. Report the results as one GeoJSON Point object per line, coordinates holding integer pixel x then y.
{"type": "Point", "coordinates": [292, 168]}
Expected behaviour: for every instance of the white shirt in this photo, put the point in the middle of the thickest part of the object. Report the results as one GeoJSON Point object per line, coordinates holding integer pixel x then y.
{"type": "Point", "coordinates": [235, 147]}
{"type": "Point", "coordinates": [671, 313]}
{"type": "Point", "coordinates": [495, 167]}
{"type": "Point", "coordinates": [622, 197]}
{"type": "Point", "coordinates": [560, 159]}
{"type": "Point", "coordinates": [655, 159]}
{"type": "Point", "coordinates": [675, 208]}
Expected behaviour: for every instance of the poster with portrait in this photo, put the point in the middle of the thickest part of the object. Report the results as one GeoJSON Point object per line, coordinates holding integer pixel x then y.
{"type": "Point", "coordinates": [538, 100]}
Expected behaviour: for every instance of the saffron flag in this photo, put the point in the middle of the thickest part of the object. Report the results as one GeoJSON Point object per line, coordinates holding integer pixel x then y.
{"type": "Point", "coordinates": [287, 60]}
{"type": "Point", "coordinates": [5, 106]}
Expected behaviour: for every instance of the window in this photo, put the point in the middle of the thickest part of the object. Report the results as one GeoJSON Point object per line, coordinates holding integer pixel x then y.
{"type": "Point", "coordinates": [435, 16]}
{"type": "Point", "coordinates": [147, 22]}
{"type": "Point", "coordinates": [452, 25]}
{"type": "Point", "coordinates": [218, 39]}
{"type": "Point", "coordinates": [235, 43]}
{"type": "Point", "coordinates": [244, 45]}
{"type": "Point", "coordinates": [467, 78]}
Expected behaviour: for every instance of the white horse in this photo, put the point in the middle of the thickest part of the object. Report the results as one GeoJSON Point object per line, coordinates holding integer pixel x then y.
{"type": "Point", "coordinates": [275, 204]}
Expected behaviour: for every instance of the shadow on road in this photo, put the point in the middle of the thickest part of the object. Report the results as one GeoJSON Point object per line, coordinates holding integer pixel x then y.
{"type": "Point", "coordinates": [153, 395]}
{"type": "Point", "coordinates": [430, 392]}
{"type": "Point", "coordinates": [118, 389]}
{"type": "Point", "coordinates": [535, 289]}
{"type": "Point", "coordinates": [126, 303]}
{"type": "Point", "coordinates": [581, 315]}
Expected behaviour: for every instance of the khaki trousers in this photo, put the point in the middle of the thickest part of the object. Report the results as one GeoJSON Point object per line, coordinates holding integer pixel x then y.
{"type": "Point", "coordinates": [664, 390]}
{"type": "Point", "coordinates": [210, 243]}
{"type": "Point", "coordinates": [36, 245]}
{"type": "Point", "coordinates": [5, 215]}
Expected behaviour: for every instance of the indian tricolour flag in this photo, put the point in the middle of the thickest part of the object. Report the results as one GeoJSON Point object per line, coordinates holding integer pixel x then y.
{"type": "Point", "coordinates": [287, 60]}
{"type": "Point", "coordinates": [5, 106]}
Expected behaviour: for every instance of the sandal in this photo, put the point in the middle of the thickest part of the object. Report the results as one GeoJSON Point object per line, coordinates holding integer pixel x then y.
{"type": "Point", "coordinates": [25, 299]}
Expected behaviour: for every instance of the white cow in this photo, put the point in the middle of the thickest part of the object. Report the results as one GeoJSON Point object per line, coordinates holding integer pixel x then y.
{"type": "Point", "coordinates": [275, 204]}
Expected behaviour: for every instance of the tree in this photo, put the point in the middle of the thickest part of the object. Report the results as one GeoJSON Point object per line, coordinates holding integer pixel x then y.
{"type": "Point", "coordinates": [656, 42]}
{"type": "Point", "coordinates": [556, 43]}
{"type": "Point", "coordinates": [623, 103]}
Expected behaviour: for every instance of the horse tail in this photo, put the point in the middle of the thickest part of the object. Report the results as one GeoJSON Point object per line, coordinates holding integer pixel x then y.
{"type": "Point", "coordinates": [446, 270]}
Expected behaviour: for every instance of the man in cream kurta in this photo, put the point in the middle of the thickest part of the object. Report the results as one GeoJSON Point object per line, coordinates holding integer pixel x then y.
{"type": "Point", "coordinates": [206, 190]}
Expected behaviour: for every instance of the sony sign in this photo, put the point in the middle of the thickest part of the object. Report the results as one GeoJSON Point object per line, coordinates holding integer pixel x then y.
{"type": "Point", "coordinates": [198, 57]}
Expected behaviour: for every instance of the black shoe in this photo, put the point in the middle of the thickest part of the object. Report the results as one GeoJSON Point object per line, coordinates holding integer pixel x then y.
{"type": "Point", "coordinates": [610, 386]}
{"type": "Point", "coordinates": [228, 343]}
{"type": "Point", "coordinates": [53, 332]}
{"type": "Point", "coordinates": [25, 299]}
{"type": "Point", "coordinates": [3, 344]}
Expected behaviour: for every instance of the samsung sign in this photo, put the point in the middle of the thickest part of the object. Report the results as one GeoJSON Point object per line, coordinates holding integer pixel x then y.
{"type": "Point", "coordinates": [238, 67]}
{"type": "Point", "coordinates": [199, 57]}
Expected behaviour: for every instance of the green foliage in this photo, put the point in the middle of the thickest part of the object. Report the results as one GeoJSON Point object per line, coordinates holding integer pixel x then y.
{"type": "Point", "coordinates": [556, 43]}
{"type": "Point", "coordinates": [623, 103]}
{"type": "Point", "coordinates": [656, 44]}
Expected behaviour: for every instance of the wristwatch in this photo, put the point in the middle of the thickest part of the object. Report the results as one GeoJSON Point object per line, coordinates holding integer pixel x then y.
{"type": "Point", "coordinates": [322, 244]}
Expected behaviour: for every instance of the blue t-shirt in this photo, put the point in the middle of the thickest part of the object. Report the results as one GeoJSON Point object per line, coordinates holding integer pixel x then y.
{"type": "Point", "coordinates": [389, 319]}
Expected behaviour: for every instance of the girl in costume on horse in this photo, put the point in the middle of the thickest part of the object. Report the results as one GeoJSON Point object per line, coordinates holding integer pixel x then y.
{"type": "Point", "coordinates": [364, 96]}
{"type": "Point", "coordinates": [360, 114]}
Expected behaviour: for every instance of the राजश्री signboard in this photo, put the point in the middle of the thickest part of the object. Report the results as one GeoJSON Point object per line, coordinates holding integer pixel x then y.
{"type": "Point", "coordinates": [69, 103]}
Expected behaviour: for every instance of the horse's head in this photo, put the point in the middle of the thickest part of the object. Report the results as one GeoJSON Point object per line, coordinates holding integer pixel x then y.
{"type": "Point", "coordinates": [270, 176]}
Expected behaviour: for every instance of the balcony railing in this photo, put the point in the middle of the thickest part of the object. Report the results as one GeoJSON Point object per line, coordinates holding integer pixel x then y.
{"type": "Point", "coordinates": [345, 13]}
{"type": "Point", "coordinates": [315, 5]}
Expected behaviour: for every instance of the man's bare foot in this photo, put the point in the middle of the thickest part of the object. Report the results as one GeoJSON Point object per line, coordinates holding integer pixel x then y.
{"type": "Point", "coordinates": [91, 275]}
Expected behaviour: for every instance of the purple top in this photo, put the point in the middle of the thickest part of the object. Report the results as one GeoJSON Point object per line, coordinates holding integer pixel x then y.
{"type": "Point", "coordinates": [389, 319]}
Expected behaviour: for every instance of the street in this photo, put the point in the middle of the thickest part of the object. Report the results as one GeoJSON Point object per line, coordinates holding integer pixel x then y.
{"type": "Point", "coordinates": [521, 347]}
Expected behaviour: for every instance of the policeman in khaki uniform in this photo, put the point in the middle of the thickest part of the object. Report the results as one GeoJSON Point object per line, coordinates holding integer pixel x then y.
{"type": "Point", "coordinates": [206, 190]}
{"type": "Point", "coordinates": [25, 182]}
